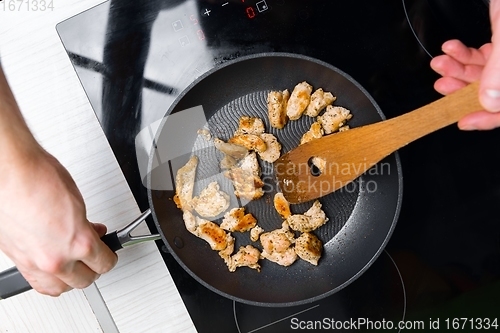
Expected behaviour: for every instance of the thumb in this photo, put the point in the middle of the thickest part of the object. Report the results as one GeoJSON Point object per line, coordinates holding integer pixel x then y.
{"type": "Point", "coordinates": [489, 93]}
{"type": "Point", "coordinates": [100, 228]}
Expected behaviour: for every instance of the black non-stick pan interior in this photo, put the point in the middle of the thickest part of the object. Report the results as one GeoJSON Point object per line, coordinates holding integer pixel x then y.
{"type": "Point", "coordinates": [361, 216]}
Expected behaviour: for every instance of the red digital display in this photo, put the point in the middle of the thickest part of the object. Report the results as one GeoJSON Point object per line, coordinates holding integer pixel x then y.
{"type": "Point", "coordinates": [250, 12]}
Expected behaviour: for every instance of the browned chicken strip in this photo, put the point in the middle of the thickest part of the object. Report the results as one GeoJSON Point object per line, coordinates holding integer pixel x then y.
{"type": "Point", "coordinates": [184, 184]}
{"type": "Point", "coordinates": [319, 101]}
{"type": "Point", "coordinates": [277, 246]}
{"type": "Point", "coordinates": [237, 220]}
{"type": "Point", "coordinates": [311, 220]}
{"type": "Point", "coordinates": [299, 100]}
{"type": "Point", "coordinates": [315, 132]}
{"type": "Point", "coordinates": [214, 235]}
{"type": "Point", "coordinates": [250, 142]}
{"type": "Point", "coordinates": [247, 256]}
{"type": "Point", "coordinates": [276, 107]}
{"type": "Point", "coordinates": [250, 125]}
{"type": "Point", "coordinates": [211, 201]}
{"type": "Point", "coordinates": [309, 248]}
{"type": "Point", "coordinates": [334, 118]}
{"type": "Point", "coordinates": [281, 205]}
{"type": "Point", "coordinates": [273, 151]}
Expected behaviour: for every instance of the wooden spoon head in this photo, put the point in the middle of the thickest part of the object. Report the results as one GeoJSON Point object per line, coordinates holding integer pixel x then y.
{"type": "Point", "coordinates": [322, 166]}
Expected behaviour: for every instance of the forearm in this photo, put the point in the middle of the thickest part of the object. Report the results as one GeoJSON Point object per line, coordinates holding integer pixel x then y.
{"type": "Point", "coordinates": [16, 139]}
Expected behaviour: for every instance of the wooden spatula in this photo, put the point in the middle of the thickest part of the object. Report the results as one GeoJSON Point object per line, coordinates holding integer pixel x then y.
{"type": "Point", "coordinates": [345, 156]}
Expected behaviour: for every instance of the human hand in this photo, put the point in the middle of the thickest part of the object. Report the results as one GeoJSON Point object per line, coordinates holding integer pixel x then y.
{"type": "Point", "coordinates": [43, 224]}
{"type": "Point", "coordinates": [461, 65]}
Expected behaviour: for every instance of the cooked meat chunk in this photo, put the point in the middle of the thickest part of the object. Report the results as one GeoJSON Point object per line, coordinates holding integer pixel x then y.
{"type": "Point", "coordinates": [311, 220]}
{"type": "Point", "coordinates": [281, 205]}
{"type": "Point", "coordinates": [319, 163]}
{"type": "Point", "coordinates": [250, 142]}
{"type": "Point", "coordinates": [250, 125]}
{"type": "Point", "coordinates": [246, 256]}
{"type": "Point", "coordinates": [184, 184]}
{"type": "Point", "coordinates": [214, 235]}
{"type": "Point", "coordinates": [250, 164]}
{"type": "Point", "coordinates": [211, 201]}
{"type": "Point", "coordinates": [273, 151]}
{"type": "Point", "coordinates": [317, 216]}
{"type": "Point", "coordinates": [344, 128]}
{"type": "Point", "coordinates": [281, 258]}
{"type": "Point", "coordinates": [319, 101]}
{"type": "Point", "coordinates": [237, 220]}
{"type": "Point", "coordinates": [299, 100]}
{"type": "Point", "coordinates": [334, 118]}
{"type": "Point", "coordinates": [230, 149]}
{"type": "Point", "coordinates": [277, 246]}
{"type": "Point", "coordinates": [246, 178]}
{"type": "Point", "coordinates": [315, 132]}
{"type": "Point", "coordinates": [309, 248]}
{"type": "Point", "coordinates": [276, 107]}
{"type": "Point", "coordinates": [228, 162]}
{"type": "Point", "coordinates": [228, 251]}
{"type": "Point", "coordinates": [205, 133]}
{"type": "Point", "coordinates": [278, 240]}
{"type": "Point", "coordinates": [255, 233]}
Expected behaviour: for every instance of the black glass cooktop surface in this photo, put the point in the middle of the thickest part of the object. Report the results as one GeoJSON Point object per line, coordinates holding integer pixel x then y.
{"type": "Point", "coordinates": [442, 264]}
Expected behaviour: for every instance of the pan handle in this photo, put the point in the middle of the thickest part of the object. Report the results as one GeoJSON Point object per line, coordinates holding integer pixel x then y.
{"type": "Point", "coordinates": [12, 282]}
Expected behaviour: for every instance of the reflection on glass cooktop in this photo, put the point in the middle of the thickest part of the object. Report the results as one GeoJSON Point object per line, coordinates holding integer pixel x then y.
{"type": "Point", "coordinates": [443, 260]}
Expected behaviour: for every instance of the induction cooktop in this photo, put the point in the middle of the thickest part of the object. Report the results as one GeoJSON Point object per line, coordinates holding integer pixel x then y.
{"type": "Point", "coordinates": [441, 267]}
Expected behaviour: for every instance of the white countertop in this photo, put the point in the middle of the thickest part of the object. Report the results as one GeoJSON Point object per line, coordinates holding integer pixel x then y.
{"type": "Point", "coordinates": [138, 295]}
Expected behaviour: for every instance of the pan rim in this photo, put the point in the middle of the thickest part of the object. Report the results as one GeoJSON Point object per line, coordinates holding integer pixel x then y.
{"type": "Point", "coordinates": [395, 155]}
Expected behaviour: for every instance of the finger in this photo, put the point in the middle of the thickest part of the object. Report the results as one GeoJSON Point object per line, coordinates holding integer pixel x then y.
{"type": "Point", "coordinates": [44, 283]}
{"type": "Point", "coordinates": [489, 91]}
{"type": "Point", "coordinates": [481, 120]}
{"type": "Point", "coordinates": [100, 228]}
{"type": "Point", "coordinates": [78, 275]}
{"type": "Point", "coordinates": [447, 66]}
{"type": "Point", "coordinates": [93, 252]}
{"type": "Point", "coordinates": [463, 54]}
{"type": "Point", "coordinates": [448, 85]}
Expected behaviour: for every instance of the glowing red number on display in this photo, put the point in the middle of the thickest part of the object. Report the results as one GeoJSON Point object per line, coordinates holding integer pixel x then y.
{"type": "Point", "coordinates": [250, 13]}
{"type": "Point", "coordinates": [201, 35]}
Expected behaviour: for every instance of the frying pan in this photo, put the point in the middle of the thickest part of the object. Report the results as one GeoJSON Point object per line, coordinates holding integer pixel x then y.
{"type": "Point", "coordinates": [361, 216]}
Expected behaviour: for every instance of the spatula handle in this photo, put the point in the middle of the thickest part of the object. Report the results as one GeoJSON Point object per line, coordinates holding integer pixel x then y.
{"type": "Point", "coordinates": [434, 116]}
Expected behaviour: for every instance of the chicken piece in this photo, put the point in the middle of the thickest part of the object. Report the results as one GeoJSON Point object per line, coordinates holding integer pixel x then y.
{"type": "Point", "coordinates": [250, 164]}
{"type": "Point", "coordinates": [299, 100]}
{"type": "Point", "coordinates": [230, 149]}
{"type": "Point", "coordinates": [205, 133]}
{"type": "Point", "coordinates": [334, 118]}
{"type": "Point", "coordinates": [311, 220]}
{"type": "Point", "coordinates": [281, 205]}
{"type": "Point", "coordinates": [317, 216]}
{"type": "Point", "coordinates": [278, 240]}
{"type": "Point", "coordinates": [246, 178]}
{"type": "Point", "coordinates": [250, 142]}
{"type": "Point", "coordinates": [285, 258]}
{"type": "Point", "coordinates": [319, 101]}
{"type": "Point", "coordinates": [237, 220]}
{"type": "Point", "coordinates": [309, 248]}
{"type": "Point", "coordinates": [250, 125]}
{"type": "Point", "coordinates": [214, 235]}
{"type": "Point", "coordinates": [228, 251]}
{"type": "Point", "coordinates": [319, 163]}
{"type": "Point", "coordinates": [228, 162]}
{"type": "Point", "coordinates": [255, 233]}
{"type": "Point", "coordinates": [315, 132]}
{"type": "Point", "coordinates": [277, 246]}
{"type": "Point", "coordinates": [344, 128]}
{"type": "Point", "coordinates": [247, 256]}
{"type": "Point", "coordinates": [184, 184]}
{"type": "Point", "coordinates": [211, 201]}
{"type": "Point", "coordinates": [276, 107]}
{"type": "Point", "coordinates": [273, 151]}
